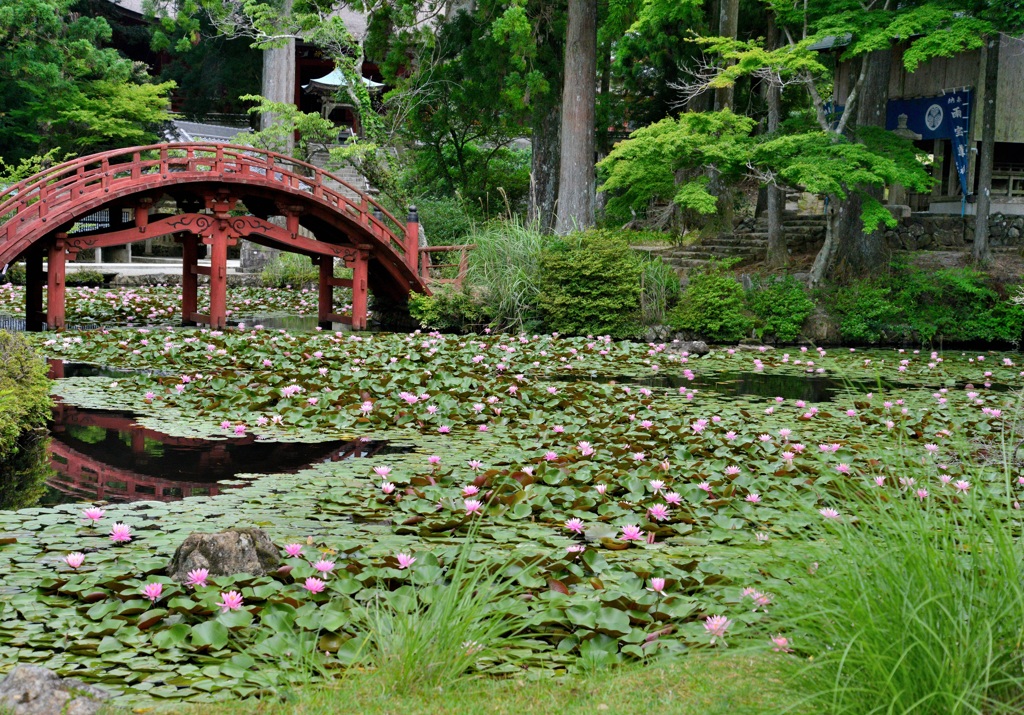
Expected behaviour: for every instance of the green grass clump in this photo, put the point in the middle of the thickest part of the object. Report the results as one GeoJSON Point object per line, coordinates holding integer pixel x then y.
{"type": "Point", "coordinates": [918, 609]}
{"type": "Point", "coordinates": [504, 271]}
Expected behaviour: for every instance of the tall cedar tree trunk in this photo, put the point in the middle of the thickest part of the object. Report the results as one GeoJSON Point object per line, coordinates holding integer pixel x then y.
{"type": "Point", "coordinates": [728, 26]}
{"type": "Point", "coordinates": [778, 255]}
{"type": "Point", "coordinates": [576, 178]}
{"type": "Point", "coordinates": [279, 78]}
{"type": "Point", "coordinates": [982, 251]}
{"type": "Point", "coordinates": [859, 253]}
{"type": "Point", "coordinates": [544, 166]}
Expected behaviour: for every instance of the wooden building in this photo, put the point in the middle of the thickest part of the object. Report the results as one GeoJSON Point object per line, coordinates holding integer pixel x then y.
{"type": "Point", "coordinates": [945, 96]}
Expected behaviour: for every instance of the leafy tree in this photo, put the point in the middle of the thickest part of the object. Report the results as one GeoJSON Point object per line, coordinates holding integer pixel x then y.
{"type": "Point", "coordinates": [865, 34]}
{"type": "Point", "coordinates": [665, 162]}
{"type": "Point", "coordinates": [59, 87]}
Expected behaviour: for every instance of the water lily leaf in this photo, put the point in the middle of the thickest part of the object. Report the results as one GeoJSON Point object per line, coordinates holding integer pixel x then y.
{"type": "Point", "coordinates": [210, 634]}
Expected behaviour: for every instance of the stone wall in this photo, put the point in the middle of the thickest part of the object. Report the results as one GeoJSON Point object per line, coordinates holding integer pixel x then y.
{"type": "Point", "coordinates": [935, 232]}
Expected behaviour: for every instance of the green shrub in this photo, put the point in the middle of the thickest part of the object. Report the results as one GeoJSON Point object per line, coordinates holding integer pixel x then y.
{"type": "Point", "coordinates": [590, 284]}
{"type": "Point", "coordinates": [446, 221]}
{"type": "Point", "coordinates": [24, 411]}
{"type": "Point", "coordinates": [712, 306]}
{"type": "Point", "coordinates": [289, 269]}
{"type": "Point", "coordinates": [84, 278]}
{"type": "Point", "coordinates": [447, 309]}
{"type": "Point", "coordinates": [15, 274]}
{"type": "Point", "coordinates": [780, 308]}
{"type": "Point", "coordinates": [908, 303]}
{"type": "Point", "coordinates": [864, 311]}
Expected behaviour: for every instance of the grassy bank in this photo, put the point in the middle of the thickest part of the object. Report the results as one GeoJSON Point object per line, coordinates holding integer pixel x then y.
{"type": "Point", "coordinates": [731, 683]}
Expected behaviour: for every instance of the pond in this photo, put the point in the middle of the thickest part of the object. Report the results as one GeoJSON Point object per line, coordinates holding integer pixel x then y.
{"type": "Point", "coordinates": [580, 468]}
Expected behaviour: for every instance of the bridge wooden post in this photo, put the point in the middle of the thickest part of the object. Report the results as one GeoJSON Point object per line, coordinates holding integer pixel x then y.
{"type": "Point", "coordinates": [189, 279]}
{"type": "Point", "coordinates": [325, 296]}
{"type": "Point", "coordinates": [219, 239]}
{"type": "Point", "coordinates": [360, 272]}
{"type": "Point", "coordinates": [412, 240]}
{"type": "Point", "coordinates": [55, 269]}
{"type": "Point", "coordinates": [218, 276]}
{"type": "Point", "coordinates": [34, 289]}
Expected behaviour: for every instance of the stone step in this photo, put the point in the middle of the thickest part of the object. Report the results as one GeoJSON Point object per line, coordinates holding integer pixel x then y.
{"type": "Point", "coordinates": [717, 248]}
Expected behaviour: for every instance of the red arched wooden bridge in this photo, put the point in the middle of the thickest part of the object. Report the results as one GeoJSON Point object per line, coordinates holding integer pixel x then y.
{"type": "Point", "coordinates": [214, 194]}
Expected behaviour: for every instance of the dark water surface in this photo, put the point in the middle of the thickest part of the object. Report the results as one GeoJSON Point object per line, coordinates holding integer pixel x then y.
{"type": "Point", "coordinates": [810, 388]}
{"type": "Point", "coordinates": [104, 455]}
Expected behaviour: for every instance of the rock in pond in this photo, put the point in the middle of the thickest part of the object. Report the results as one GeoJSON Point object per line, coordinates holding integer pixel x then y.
{"type": "Point", "coordinates": [240, 550]}
{"type": "Point", "coordinates": [691, 347]}
{"type": "Point", "coordinates": [31, 690]}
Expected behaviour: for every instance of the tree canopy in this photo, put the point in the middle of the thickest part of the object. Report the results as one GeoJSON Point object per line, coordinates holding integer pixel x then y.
{"type": "Point", "coordinates": [61, 88]}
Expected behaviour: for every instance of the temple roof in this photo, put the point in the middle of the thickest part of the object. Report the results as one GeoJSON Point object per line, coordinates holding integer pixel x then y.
{"type": "Point", "coordinates": [333, 80]}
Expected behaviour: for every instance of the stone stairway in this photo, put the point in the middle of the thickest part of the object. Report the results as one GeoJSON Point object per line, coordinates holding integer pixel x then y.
{"type": "Point", "coordinates": [346, 173]}
{"type": "Point", "coordinates": [748, 243]}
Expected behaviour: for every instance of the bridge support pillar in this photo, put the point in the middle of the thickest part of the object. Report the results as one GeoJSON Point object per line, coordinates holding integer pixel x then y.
{"type": "Point", "coordinates": [325, 297]}
{"type": "Point", "coordinates": [189, 279]}
{"type": "Point", "coordinates": [55, 269]}
{"type": "Point", "coordinates": [360, 270]}
{"type": "Point", "coordinates": [218, 276]}
{"type": "Point", "coordinates": [412, 239]}
{"type": "Point", "coordinates": [34, 289]}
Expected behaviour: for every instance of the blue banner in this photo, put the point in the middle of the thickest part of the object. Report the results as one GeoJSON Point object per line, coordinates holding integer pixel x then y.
{"type": "Point", "coordinates": [946, 116]}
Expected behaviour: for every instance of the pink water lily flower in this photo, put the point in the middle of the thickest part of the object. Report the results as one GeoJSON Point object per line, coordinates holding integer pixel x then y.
{"type": "Point", "coordinates": [575, 525]}
{"type": "Point", "coordinates": [829, 513]}
{"type": "Point", "coordinates": [631, 532]}
{"type": "Point", "coordinates": [781, 644]}
{"type": "Point", "coordinates": [324, 566]}
{"type": "Point", "coordinates": [405, 560]}
{"type": "Point", "coordinates": [314, 585]}
{"type": "Point", "coordinates": [75, 559]}
{"type": "Point", "coordinates": [382, 471]}
{"type": "Point", "coordinates": [657, 585]}
{"type": "Point", "coordinates": [93, 514]}
{"type": "Point", "coordinates": [120, 533]}
{"type": "Point", "coordinates": [716, 627]}
{"type": "Point", "coordinates": [658, 512]}
{"type": "Point", "coordinates": [293, 549]}
{"type": "Point", "coordinates": [473, 506]}
{"type": "Point", "coordinates": [197, 577]}
{"type": "Point", "coordinates": [152, 591]}
{"type": "Point", "coordinates": [230, 601]}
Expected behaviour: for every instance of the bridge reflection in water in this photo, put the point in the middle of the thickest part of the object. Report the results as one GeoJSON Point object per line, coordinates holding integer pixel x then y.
{"type": "Point", "coordinates": [104, 455]}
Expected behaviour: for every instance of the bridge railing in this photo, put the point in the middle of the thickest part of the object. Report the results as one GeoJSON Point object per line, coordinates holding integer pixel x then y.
{"type": "Point", "coordinates": [53, 187]}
